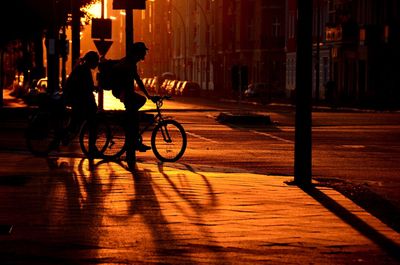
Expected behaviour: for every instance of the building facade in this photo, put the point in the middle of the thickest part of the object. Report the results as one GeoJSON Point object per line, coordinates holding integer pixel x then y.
{"type": "Point", "coordinates": [250, 36]}
{"type": "Point", "coordinates": [216, 43]}
{"type": "Point", "coordinates": [321, 71]}
{"type": "Point", "coordinates": [153, 26]}
{"type": "Point", "coordinates": [364, 38]}
{"type": "Point", "coordinates": [210, 40]}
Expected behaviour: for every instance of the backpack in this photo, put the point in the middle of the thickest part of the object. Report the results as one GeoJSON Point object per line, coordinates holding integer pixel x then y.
{"type": "Point", "coordinates": [106, 76]}
{"type": "Point", "coordinates": [68, 87]}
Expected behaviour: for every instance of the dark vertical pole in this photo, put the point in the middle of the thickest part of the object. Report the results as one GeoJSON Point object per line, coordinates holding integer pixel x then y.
{"type": "Point", "coordinates": [63, 39]}
{"type": "Point", "coordinates": [317, 65]}
{"type": "Point", "coordinates": [302, 159]}
{"type": "Point", "coordinates": [128, 51]}
{"type": "Point", "coordinates": [75, 32]}
{"type": "Point", "coordinates": [128, 29]}
{"type": "Point", "coordinates": [53, 52]}
{"type": "Point", "coordinates": [100, 92]}
{"type": "Point", "coordinates": [1, 78]}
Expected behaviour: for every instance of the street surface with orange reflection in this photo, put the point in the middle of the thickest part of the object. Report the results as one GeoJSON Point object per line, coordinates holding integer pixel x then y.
{"type": "Point", "coordinates": [227, 201]}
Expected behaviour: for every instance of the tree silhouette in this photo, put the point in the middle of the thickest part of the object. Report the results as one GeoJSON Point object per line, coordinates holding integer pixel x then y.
{"type": "Point", "coordinates": [25, 19]}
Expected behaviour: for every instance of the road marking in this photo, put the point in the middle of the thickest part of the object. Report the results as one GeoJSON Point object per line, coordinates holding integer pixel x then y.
{"type": "Point", "coordinates": [201, 137]}
{"type": "Point", "coordinates": [352, 146]}
{"type": "Point", "coordinates": [272, 136]}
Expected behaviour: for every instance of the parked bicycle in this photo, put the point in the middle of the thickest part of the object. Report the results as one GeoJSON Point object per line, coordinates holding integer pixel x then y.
{"type": "Point", "coordinates": [52, 125]}
{"type": "Point", "coordinates": [168, 137]}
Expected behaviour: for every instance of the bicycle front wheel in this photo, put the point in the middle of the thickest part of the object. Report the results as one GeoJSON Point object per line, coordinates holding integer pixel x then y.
{"type": "Point", "coordinates": [168, 141]}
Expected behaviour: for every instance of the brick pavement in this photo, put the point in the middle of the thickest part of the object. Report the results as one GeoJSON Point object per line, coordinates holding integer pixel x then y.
{"type": "Point", "coordinates": [66, 211]}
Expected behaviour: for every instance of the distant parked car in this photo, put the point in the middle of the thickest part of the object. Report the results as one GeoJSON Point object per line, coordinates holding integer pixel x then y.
{"type": "Point", "coordinates": [41, 85]}
{"type": "Point", "coordinates": [178, 88]}
{"type": "Point", "coordinates": [258, 91]}
{"type": "Point", "coordinates": [171, 86]}
{"type": "Point", "coordinates": [163, 89]}
{"type": "Point", "coordinates": [190, 89]}
{"type": "Point", "coordinates": [39, 89]}
{"type": "Point", "coordinates": [18, 87]}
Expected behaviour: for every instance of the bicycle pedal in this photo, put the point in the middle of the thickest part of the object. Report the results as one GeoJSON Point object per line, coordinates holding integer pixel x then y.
{"type": "Point", "coordinates": [143, 148]}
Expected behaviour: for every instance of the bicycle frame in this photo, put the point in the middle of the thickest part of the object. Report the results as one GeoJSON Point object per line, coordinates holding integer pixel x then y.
{"type": "Point", "coordinates": [157, 118]}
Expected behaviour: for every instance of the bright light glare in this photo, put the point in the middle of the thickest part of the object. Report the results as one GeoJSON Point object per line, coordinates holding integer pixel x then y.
{"type": "Point", "coordinates": [94, 9]}
{"type": "Point", "coordinates": [112, 103]}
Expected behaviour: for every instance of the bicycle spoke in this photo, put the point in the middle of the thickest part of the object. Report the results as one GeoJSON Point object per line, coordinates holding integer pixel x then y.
{"type": "Point", "coordinates": [169, 141]}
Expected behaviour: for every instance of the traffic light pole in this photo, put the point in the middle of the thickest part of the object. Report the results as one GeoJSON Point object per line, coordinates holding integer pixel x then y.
{"type": "Point", "coordinates": [100, 93]}
{"type": "Point", "coordinates": [128, 30]}
{"type": "Point", "coordinates": [303, 143]}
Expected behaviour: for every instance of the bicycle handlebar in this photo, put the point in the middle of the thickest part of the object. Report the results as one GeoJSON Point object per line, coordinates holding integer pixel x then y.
{"type": "Point", "coordinates": [159, 102]}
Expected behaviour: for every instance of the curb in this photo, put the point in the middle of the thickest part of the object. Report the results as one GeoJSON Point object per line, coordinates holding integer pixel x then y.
{"type": "Point", "coordinates": [244, 118]}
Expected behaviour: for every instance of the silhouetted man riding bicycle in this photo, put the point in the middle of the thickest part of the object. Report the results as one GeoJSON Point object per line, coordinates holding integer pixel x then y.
{"type": "Point", "coordinates": [125, 73]}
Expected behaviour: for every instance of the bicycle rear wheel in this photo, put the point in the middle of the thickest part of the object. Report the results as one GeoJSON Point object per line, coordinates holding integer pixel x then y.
{"type": "Point", "coordinates": [116, 145]}
{"type": "Point", "coordinates": [168, 141]}
{"type": "Point", "coordinates": [41, 134]}
{"type": "Point", "coordinates": [102, 138]}
{"type": "Point", "coordinates": [110, 139]}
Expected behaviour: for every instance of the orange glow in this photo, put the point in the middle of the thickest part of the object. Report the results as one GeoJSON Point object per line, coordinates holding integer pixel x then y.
{"type": "Point", "coordinates": [386, 33]}
{"type": "Point", "coordinates": [362, 34]}
{"type": "Point", "coordinates": [95, 9]}
{"type": "Point", "coordinates": [112, 103]}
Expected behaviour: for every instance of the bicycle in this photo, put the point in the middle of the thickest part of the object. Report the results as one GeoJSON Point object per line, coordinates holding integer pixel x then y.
{"type": "Point", "coordinates": [51, 126]}
{"type": "Point", "coordinates": [168, 137]}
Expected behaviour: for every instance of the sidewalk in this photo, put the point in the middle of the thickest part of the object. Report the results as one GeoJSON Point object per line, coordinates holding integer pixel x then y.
{"type": "Point", "coordinates": [62, 213]}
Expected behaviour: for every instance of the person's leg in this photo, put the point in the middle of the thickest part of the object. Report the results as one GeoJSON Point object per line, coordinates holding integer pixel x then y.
{"type": "Point", "coordinates": [139, 101]}
{"type": "Point", "coordinates": [89, 113]}
{"type": "Point", "coordinates": [92, 129]}
{"type": "Point", "coordinates": [130, 131]}
{"type": "Point", "coordinates": [72, 127]}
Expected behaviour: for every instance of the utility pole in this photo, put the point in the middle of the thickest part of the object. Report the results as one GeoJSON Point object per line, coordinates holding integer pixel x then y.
{"type": "Point", "coordinates": [64, 56]}
{"type": "Point", "coordinates": [52, 44]}
{"type": "Point", "coordinates": [317, 64]}
{"type": "Point", "coordinates": [303, 143]}
{"type": "Point", "coordinates": [128, 30]}
{"type": "Point", "coordinates": [100, 93]}
{"type": "Point", "coordinates": [1, 78]}
{"type": "Point", "coordinates": [75, 32]}
{"type": "Point", "coordinates": [129, 6]}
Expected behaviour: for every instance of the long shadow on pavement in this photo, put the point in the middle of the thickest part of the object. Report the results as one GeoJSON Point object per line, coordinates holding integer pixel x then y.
{"type": "Point", "coordinates": [385, 243]}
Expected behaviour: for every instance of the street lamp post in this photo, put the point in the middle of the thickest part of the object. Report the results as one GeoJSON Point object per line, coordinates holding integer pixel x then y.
{"type": "Point", "coordinates": [184, 40]}
{"type": "Point", "coordinates": [208, 44]}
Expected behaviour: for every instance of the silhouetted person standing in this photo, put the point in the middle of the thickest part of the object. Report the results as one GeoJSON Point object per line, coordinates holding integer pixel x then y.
{"type": "Point", "coordinates": [125, 74]}
{"type": "Point", "coordinates": [78, 91]}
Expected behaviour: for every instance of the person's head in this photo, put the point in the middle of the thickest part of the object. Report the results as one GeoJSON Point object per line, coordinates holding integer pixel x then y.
{"type": "Point", "coordinates": [138, 51]}
{"type": "Point", "coordinates": [91, 59]}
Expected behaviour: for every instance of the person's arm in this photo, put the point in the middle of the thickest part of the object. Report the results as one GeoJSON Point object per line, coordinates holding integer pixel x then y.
{"type": "Point", "coordinates": [143, 88]}
{"type": "Point", "coordinates": [140, 84]}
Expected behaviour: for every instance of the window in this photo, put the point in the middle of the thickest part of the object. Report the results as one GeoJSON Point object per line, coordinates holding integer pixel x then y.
{"type": "Point", "coordinates": [276, 27]}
